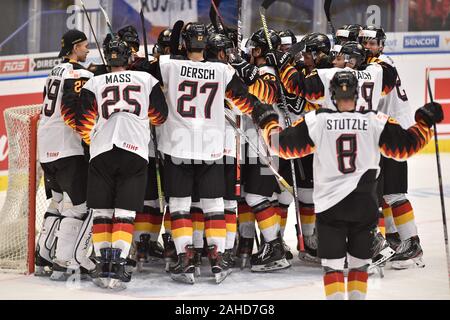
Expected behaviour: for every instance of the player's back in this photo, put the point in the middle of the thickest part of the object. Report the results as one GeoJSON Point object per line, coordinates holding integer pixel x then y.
{"type": "Point", "coordinates": [195, 92]}
{"type": "Point", "coordinates": [123, 100]}
{"type": "Point", "coordinates": [57, 137]}
{"type": "Point", "coordinates": [347, 145]}
{"type": "Point", "coordinates": [395, 103]}
{"type": "Point", "coordinates": [370, 82]}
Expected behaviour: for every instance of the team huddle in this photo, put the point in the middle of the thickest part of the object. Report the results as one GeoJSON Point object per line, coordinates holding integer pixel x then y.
{"type": "Point", "coordinates": [216, 144]}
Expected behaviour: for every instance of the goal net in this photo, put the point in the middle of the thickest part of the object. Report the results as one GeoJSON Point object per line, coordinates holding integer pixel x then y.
{"type": "Point", "coordinates": [25, 204]}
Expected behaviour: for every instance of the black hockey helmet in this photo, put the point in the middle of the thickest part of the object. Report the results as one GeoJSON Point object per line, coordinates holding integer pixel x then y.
{"type": "Point", "coordinates": [316, 42]}
{"type": "Point", "coordinates": [117, 52]}
{"type": "Point", "coordinates": [130, 35]}
{"type": "Point", "coordinates": [194, 35]}
{"type": "Point", "coordinates": [353, 49]}
{"type": "Point", "coordinates": [258, 40]}
{"type": "Point", "coordinates": [372, 32]}
{"type": "Point", "coordinates": [344, 85]}
{"type": "Point", "coordinates": [217, 42]}
{"type": "Point", "coordinates": [163, 41]}
{"type": "Point", "coordinates": [348, 32]}
{"type": "Point", "coordinates": [287, 37]}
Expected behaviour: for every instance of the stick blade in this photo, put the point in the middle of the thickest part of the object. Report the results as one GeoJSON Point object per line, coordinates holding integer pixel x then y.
{"type": "Point", "coordinates": [267, 3]}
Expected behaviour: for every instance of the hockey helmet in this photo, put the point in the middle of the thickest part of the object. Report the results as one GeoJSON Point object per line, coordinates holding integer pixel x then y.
{"type": "Point", "coordinates": [129, 35]}
{"type": "Point", "coordinates": [217, 42]}
{"type": "Point", "coordinates": [344, 85]}
{"type": "Point", "coordinates": [258, 40]}
{"type": "Point", "coordinates": [117, 52]}
{"type": "Point", "coordinates": [194, 35]}
{"type": "Point", "coordinates": [372, 32]}
{"type": "Point", "coordinates": [348, 32]}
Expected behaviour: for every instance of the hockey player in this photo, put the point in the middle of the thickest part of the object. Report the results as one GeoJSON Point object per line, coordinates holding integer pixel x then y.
{"type": "Point", "coordinates": [117, 110]}
{"type": "Point", "coordinates": [192, 141]}
{"type": "Point", "coordinates": [397, 209]}
{"type": "Point", "coordinates": [147, 224]}
{"type": "Point", "coordinates": [268, 203]}
{"type": "Point", "coordinates": [316, 52]}
{"type": "Point", "coordinates": [287, 38]}
{"type": "Point", "coordinates": [348, 32]}
{"type": "Point", "coordinates": [162, 45]}
{"type": "Point", "coordinates": [63, 242]}
{"type": "Point", "coordinates": [218, 48]}
{"type": "Point", "coordinates": [345, 180]}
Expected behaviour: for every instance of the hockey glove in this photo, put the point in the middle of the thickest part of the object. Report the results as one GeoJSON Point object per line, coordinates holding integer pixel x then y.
{"type": "Point", "coordinates": [278, 59]}
{"type": "Point", "coordinates": [246, 71]}
{"type": "Point", "coordinates": [430, 113]}
{"type": "Point", "coordinates": [264, 113]}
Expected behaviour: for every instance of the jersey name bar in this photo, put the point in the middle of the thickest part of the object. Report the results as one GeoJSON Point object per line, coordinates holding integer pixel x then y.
{"type": "Point", "coordinates": [121, 78]}
{"type": "Point", "coordinates": [347, 124]}
{"type": "Point", "coordinates": [198, 73]}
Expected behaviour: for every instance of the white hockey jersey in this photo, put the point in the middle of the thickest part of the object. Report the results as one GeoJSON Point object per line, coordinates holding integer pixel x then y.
{"type": "Point", "coordinates": [369, 84]}
{"type": "Point", "coordinates": [123, 102]}
{"type": "Point", "coordinates": [346, 147]}
{"type": "Point", "coordinates": [396, 103]}
{"type": "Point", "coordinates": [195, 93]}
{"type": "Point", "coordinates": [57, 137]}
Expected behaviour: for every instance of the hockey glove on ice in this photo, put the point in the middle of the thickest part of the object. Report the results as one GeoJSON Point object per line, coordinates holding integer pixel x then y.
{"type": "Point", "coordinates": [430, 113]}
{"type": "Point", "coordinates": [264, 113]}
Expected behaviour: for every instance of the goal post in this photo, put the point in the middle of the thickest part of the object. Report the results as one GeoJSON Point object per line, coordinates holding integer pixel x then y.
{"type": "Point", "coordinates": [25, 203]}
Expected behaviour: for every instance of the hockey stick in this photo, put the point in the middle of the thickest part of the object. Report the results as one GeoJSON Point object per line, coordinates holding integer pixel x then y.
{"type": "Point", "coordinates": [93, 33]}
{"type": "Point", "coordinates": [152, 128]}
{"type": "Point", "coordinates": [441, 190]}
{"type": "Point", "coordinates": [264, 160]}
{"type": "Point", "coordinates": [214, 14]}
{"type": "Point", "coordinates": [175, 37]}
{"type": "Point", "coordinates": [262, 11]}
{"type": "Point", "coordinates": [326, 8]}
{"type": "Point", "coordinates": [108, 22]}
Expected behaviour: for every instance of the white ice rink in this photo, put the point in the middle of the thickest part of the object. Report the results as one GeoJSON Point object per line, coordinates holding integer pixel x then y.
{"type": "Point", "coordinates": [301, 281]}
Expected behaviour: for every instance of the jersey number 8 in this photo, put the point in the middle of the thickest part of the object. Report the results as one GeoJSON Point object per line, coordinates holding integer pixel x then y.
{"type": "Point", "coordinates": [346, 153]}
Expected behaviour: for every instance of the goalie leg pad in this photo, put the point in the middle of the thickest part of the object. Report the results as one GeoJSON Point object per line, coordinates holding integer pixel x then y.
{"type": "Point", "coordinates": [83, 246]}
{"type": "Point", "coordinates": [67, 234]}
{"type": "Point", "coordinates": [46, 241]}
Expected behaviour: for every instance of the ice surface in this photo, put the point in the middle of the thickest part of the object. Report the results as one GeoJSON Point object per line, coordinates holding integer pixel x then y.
{"type": "Point", "coordinates": [301, 281]}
